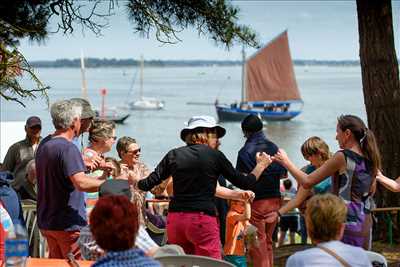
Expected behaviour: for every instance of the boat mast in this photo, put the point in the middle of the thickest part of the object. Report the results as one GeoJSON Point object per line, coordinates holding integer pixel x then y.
{"type": "Point", "coordinates": [141, 76]}
{"type": "Point", "coordinates": [243, 75]}
{"type": "Point", "coordinates": [84, 85]}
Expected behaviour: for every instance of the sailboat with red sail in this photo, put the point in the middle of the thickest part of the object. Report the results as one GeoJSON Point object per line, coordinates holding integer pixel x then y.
{"type": "Point", "coordinates": [269, 87]}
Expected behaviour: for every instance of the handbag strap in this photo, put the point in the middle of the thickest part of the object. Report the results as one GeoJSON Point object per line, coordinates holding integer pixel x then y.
{"type": "Point", "coordinates": [333, 254]}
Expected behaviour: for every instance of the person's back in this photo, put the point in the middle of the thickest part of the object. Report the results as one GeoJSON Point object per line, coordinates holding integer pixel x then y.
{"type": "Point", "coordinates": [114, 225]}
{"type": "Point", "coordinates": [266, 189]}
{"type": "Point", "coordinates": [325, 220]}
{"type": "Point", "coordinates": [268, 184]}
{"type": "Point", "coordinates": [354, 256]}
{"type": "Point", "coordinates": [195, 171]}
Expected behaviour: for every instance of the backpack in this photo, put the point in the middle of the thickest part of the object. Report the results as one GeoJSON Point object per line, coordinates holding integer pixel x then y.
{"type": "Point", "coordinates": [358, 221]}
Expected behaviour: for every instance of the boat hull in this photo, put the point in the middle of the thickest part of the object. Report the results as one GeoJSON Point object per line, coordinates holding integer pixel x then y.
{"type": "Point", "coordinates": [120, 119]}
{"type": "Point", "coordinates": [145, 104]}
{"type": "Point", "coordinates": [238, 114]}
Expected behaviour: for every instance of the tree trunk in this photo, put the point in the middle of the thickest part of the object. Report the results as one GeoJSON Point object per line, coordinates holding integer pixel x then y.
{"type": "Point", "coordinates": [381, 87]}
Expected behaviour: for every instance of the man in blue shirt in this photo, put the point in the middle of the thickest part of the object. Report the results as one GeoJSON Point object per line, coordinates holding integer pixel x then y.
{"type": "Point", "coordinates": [61, 182]}
{"type": "Point", "coordinates": [268, 196]}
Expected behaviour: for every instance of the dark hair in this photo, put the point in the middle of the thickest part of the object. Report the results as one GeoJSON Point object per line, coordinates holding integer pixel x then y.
{"type": "Point", "coordinates": [114, 223]}
{"type": "Point", "coordinates": [287, 184]}
{"type": "Point", "coordinates": [123, 144]}
{"type": "Point", "coordinates": [252, 124]}
{"type": "Point", "coordinates": [365, 137]}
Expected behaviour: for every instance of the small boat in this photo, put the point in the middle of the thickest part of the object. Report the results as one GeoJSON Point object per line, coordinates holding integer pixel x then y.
{"type": "Point", "coordinates": [112, 114]}
{"type": "Point", "coordinates": [269, 87]}
{"type": "Point", "coordinates": [145, 103]}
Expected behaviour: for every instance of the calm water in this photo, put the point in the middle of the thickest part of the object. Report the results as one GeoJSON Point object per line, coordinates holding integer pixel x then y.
{"type": "Point", "coordinates": [326, 91]}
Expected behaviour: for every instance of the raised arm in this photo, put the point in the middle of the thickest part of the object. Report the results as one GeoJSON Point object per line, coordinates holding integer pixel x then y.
{"type": "Point", "coordinates": [390, 184]}
{"type": "Point", "coordinates": [244, 181]}
{"type": "Point", "coordinates": [331, 166]}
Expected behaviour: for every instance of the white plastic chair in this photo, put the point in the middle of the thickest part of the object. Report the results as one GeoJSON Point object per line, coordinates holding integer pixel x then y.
{"type": "Point", "coordinates": [192, 261]}
{"type": "Point", "coordinates": [34, 235]}
{"type": "Point", "coordinates": [373, 256]}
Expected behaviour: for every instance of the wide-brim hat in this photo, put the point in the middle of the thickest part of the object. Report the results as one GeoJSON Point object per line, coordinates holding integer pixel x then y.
{"type": "Point", "coordinates": [202, 122]}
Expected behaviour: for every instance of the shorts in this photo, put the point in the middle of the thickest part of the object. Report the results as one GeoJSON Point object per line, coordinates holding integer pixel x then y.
{"type": "Point", "coordinates": [290, 223]}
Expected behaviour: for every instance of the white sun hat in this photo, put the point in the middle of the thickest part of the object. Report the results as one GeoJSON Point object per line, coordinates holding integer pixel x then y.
{"type": "Point", "coordinates": [202, 122]}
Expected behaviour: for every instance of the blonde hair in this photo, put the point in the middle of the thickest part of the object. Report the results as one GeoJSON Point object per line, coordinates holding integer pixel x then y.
{"type": "Point", "coordinates": [101, 129]}
{"type": "Point", "coordinates": [117, 167]}
{"type": "Point", "coordinates": [325, 215]}
{"type": "Point", "coordinates": [200, 135]}
{"type": "Point", "coordinates": [316, 146]}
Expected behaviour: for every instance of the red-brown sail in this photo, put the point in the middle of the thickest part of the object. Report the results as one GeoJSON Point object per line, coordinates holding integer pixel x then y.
{"type": "Point", "coordinates": [270, 74]}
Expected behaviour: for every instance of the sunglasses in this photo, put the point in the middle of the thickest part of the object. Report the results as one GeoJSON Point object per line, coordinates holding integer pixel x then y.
{"type": "Point", "coordinates": [36, 127]}
{"type": "Point", "coordinates": [134, 151]}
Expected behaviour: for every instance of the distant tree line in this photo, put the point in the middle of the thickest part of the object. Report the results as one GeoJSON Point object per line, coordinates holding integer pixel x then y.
{"type": "Point", "coordinates": [105, 62]}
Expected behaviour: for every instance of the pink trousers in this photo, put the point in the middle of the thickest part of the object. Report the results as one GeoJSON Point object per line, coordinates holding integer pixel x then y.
{"type": "Point", "coordinates": [262, 256]}
{"type": "Point", "coordinates": [196, 232]}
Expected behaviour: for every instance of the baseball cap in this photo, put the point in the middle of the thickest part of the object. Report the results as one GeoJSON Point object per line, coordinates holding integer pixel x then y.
{"type": "Point", "coordinates": [33, 121]}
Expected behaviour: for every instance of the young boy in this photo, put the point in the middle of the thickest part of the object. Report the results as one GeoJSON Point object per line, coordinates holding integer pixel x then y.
{"type": "Point", "coordinates": [236, 223]}
{"type": "Point", "coordinates": [289, 221]}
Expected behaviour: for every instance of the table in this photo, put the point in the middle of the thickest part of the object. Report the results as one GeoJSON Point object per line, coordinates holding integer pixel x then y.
{"type": "Point", "coordinates": [41, 262]}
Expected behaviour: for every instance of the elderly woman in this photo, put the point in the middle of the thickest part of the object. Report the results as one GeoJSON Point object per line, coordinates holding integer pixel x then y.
{"type": "Point", "coordinates": [325, 220]}
{"type": "Point", "coordinates": [195, 168]}
{"type": "Point", "coordinates": [114, 225]}
{"type": "Point", "coordinates": [102, 138]}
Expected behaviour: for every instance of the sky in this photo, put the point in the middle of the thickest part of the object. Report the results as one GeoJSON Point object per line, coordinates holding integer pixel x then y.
{"type": "Point", "coordinates": [322, 30]}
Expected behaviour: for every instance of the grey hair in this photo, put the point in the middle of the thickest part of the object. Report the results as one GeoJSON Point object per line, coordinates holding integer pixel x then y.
{"type": "Point", "coordinates": [64, 112]}
{"type": "Point", "coordinates": [30, 165]}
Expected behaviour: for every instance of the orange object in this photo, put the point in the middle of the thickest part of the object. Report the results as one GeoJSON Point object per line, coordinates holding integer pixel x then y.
{"type": "Point", "coordinates": [39, 262]}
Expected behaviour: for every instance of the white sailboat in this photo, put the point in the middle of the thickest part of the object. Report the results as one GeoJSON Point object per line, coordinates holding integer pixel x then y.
{"type": "Point", "coordinates": [145, 103]}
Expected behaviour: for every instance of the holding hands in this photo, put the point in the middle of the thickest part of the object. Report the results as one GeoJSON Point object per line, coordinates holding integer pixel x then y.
{"type": "Point", "coordinates": [263, 159]}
{"type": "Point", "coordinates": [281, 157]}
{"type": "Point", "coordinates": [248, 196]}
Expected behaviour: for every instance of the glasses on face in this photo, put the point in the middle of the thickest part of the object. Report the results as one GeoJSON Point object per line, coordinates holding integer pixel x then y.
{"type": "Point", "coordinates": [36, 127]}
{"type": "Point", "coordinates": [134, 152]}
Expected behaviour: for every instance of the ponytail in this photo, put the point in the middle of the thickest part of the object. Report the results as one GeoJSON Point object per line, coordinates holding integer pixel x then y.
{"type": "Point", "coordinates": [365, 137]}
{"type": "Point", "coordinates": [370, 149]}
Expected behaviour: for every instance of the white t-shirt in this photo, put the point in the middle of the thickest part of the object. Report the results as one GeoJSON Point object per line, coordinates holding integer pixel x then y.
{"type": "Point", "coordinates": [354, 256]}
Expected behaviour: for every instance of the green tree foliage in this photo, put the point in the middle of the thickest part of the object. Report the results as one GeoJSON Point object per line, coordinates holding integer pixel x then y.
{"type": "Point", "coordinates": [163, 19]}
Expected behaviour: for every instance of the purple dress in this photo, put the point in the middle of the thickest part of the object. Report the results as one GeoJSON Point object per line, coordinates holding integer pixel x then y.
{"type": "Point", "coordinates": [354, 187]}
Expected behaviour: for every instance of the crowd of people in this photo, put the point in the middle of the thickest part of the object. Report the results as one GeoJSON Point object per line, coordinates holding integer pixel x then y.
{"type": "Point", "coordinates": [70, 182]}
